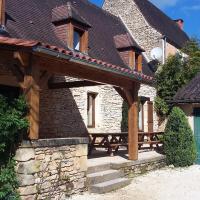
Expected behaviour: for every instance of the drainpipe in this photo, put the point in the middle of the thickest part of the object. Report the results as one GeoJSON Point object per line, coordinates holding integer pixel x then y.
{"type": "Point", "coordinates": [164, 45]}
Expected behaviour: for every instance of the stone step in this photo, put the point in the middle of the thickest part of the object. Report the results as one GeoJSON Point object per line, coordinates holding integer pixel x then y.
{"type": "Point", "coordinates": [98, 168]}
{"type": "Point", "coordinates": [109, 186]}
{"type": "Point", "coordinates": [103, 176]}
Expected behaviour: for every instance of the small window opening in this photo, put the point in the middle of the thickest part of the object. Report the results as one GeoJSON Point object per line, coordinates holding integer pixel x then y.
{"type": "Point", "coordinates": [91, 110]}
{"type": "Point", "coordinates": [141, 117]}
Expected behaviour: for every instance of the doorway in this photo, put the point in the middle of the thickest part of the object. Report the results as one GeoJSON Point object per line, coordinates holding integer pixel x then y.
{"type": "Point", "coordinates": [197, 131]}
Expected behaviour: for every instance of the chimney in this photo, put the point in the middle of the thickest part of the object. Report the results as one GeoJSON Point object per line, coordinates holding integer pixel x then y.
{"type": "Point", "coordinates": [2, 12]}
{"type": "Point", "coordinates": [180, 23]}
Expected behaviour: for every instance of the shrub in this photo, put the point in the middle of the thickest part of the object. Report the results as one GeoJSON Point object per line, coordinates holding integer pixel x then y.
{"type": "Point", "coordinates": [12, 124]}
{"type": "Point", "coordinates": [124, 122]}
{"type": "Point", "coordinates": [179, 144]}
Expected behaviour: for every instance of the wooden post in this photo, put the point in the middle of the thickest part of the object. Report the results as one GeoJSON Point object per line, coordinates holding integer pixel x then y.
{"type": "Point", "coordinates": [2, 12]}
{"type": "Point", "coordinates": [32, 94]}
{"type": "Point", "coordinates": [139, 67]}
{"type": "Point", "coordinates": [30, 86]}
{"type": "Point", "coordinates": [150, 116]}
{"type": "Point", "coordinates": [132, 95]}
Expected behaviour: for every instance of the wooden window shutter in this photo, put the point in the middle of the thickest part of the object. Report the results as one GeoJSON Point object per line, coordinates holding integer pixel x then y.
{"type": "Point", "coordinates": [150, 116]}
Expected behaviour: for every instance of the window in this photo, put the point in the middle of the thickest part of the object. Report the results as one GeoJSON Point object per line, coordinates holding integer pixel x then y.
{"type": "Point", "coordinates": [77, 40]}
{"type": "Point", "coordinates": [91, 110]}
{"type": "Point", "coordinates": [141, 117]}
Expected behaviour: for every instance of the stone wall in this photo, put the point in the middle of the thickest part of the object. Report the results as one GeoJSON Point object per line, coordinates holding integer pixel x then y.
{"type": "Point", "coordinates": [145, 35]}
{"type": "Point", "coordinates": [52, 169]}
{"type": "Point", "coordinates": [65, 111]}
{"type": "Point", "coordinates": [134, 168]}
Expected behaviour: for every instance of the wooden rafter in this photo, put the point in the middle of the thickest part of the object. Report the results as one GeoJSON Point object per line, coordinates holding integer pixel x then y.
{"type": "Point", "coordinates": [74, 84]}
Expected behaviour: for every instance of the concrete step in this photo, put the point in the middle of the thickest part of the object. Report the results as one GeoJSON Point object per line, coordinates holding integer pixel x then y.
{"type": "Point", "coordinates": [98, 168]}
{"type": "Point", "coordinates": [103, 176]}
{"type": "Point", "coordinates": [109, 186]}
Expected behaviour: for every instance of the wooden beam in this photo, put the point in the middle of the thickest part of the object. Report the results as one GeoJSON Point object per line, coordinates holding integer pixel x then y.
{"type": "Point", "coordinates": [74, 84]}
{"type": "Point", "coordinates": [150, 116]}
{"type": "Point", "coordinates": [132, 59]}
{"type": "Point", "coordinates": [44, 78]}
{"type": "Point", "coordinates": [2, 12]}
{"type": "Point", "coordinates": [121, 92]}
{"type": "Point", "coordinates": [139, 67]}
{"type": "Point", "coordinates": [32, 94]}
{"type": "Point", "coordinates": [133, 122]}
{"type": "Point", "coordinates": [81, 71]}
{"type": "Point", "coordinates": [70, 35]}
{"type": "Point", "coordinates": [84, 42]}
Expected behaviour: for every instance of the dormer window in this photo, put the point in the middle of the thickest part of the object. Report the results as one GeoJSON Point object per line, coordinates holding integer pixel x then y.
{"type": "Point", "coordinates": [129, 51]}
{"type": "Point", "coordinates": [71, 27]}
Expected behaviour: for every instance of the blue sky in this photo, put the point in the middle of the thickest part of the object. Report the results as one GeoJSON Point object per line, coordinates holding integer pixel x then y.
{"type": "Point", "coordinates": [188, 10]}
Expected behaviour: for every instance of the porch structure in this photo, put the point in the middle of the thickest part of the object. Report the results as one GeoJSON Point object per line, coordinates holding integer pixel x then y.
{"type": "Point", "coordinates": [33, 64]}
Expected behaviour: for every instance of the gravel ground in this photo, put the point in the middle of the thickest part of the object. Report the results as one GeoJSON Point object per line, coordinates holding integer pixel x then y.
{"type": "Point", "coordinates": [164, 184]}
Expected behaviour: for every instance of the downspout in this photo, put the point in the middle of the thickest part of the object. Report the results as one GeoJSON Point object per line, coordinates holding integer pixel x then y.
{"type": "Point", "coordinates": [164, 45]}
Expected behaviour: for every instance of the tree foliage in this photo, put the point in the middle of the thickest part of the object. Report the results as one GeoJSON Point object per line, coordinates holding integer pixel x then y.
{"type": "Point", "coordinates": [174, 74]}
{"type": "Point", "coordinates": [12, 124]}
{"type": "Point", "coordinates": [124, 122]}
{"type": "Point", "coordinates": [179, 144]}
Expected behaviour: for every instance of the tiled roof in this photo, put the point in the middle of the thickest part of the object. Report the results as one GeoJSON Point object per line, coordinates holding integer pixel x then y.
{"type": "Point", "coordinates": [161, 22]}
{"type": "Point", "coordinates": [189, 93]}
{"type": "Point", "coordinates": [32, 20]}
{"type": "Point", "coordinates": [34, 45]}
{"type": "Point", "coordinates": [125, 41]}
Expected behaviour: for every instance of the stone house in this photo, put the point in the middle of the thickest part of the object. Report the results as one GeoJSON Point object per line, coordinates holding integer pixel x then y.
{"type": "Point", "coordinates": [66, 57]}
{"type": "Point", "coordinates": [188, 99]}
{"type": "Point", "coordinates": [150, 28]}
{"type": "Point", "coordinates": [76, 64]}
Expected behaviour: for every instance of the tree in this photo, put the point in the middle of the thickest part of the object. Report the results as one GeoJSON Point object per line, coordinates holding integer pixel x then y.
{"type": "Point", "coordinates": [12, 122]}
{"type": "Point", "coordinates": [174, 74]}
{"type": "Point", "coordinates": [179, 144]}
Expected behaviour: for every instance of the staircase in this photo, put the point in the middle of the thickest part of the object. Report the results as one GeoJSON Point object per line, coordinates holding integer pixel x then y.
{"type": "Point", "coordinates": [102, 179]}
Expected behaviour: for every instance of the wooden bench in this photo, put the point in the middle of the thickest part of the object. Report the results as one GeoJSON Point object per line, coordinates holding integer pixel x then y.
{"type": "Point", "coordinates": [112, 141]}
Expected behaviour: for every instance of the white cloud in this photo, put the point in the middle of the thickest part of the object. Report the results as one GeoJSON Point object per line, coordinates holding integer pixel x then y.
{"type": "Point", "coordinates": [164, 3]}
{"type": "Point", "coordinates": [192, 8]}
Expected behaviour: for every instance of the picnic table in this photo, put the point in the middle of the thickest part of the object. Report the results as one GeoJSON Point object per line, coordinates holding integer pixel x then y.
{"type": "Point", "coordinates": [112, 141]}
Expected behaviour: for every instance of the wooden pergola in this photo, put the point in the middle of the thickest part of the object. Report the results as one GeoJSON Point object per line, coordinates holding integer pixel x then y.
{"type": "Point", "coordinates": [33, 64]}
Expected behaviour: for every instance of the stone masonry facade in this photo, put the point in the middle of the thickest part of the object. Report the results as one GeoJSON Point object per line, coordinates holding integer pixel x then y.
{"type": "Point", "coordinates": [65, 111]}
{"type": "Point", "coordinates": [51, 169]}
{"type": "Point", "coordinates": [143, 33]}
